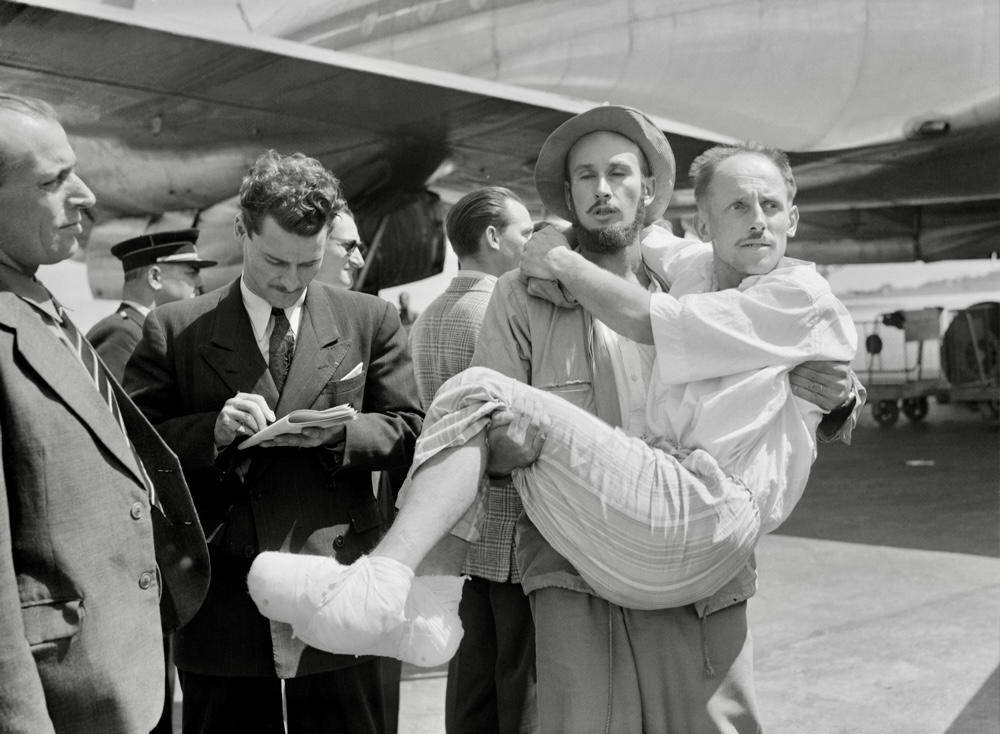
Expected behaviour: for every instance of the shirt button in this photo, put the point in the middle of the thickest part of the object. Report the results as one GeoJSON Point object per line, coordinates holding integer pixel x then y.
{"type": "Point", "coordinates": [338, 542]}
{"type": "Point", "coordinates": [136, 511]}
{"type": "Point", "coordinates": [249, 551]}
{"type": "Point", "coordinates": [145, 581]}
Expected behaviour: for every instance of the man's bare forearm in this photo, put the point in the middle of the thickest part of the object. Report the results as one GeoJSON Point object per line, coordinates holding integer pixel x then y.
{"type": "Point", "coordinates": [622, 305]}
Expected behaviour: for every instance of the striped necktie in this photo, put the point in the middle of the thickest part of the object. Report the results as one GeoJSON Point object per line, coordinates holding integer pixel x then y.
{"type": "Point", "coordinates": [281, 347]}
{"type": "Point", "coordinates": [99, 376]}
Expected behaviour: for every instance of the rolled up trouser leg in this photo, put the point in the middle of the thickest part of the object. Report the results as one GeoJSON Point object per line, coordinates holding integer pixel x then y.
{"type": "Point", "coordinates": [647, 529]}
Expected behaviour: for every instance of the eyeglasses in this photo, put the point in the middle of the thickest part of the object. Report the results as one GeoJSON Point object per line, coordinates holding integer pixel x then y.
{"type": "Point", "coordinates": [353, 245]}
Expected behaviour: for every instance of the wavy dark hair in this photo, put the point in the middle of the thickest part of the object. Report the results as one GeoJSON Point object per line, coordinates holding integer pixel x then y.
{"type": "Point", "coordinates": [295, 190]}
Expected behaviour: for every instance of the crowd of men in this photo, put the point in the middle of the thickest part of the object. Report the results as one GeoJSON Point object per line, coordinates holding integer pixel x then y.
{"type": "Point", "coordinates": [131, 512]}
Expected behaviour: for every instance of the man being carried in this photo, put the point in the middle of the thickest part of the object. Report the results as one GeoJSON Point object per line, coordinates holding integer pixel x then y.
{"type": "Point", "coordinates": [646, 528]}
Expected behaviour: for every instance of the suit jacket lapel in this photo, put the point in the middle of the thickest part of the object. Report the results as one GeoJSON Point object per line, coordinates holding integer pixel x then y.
{"type": "Point", "coordinates": [233, 353]}
{"type": "Point", "coordinates": [319, 350]}
{"type": "Point", "coordinates": [64, 374]}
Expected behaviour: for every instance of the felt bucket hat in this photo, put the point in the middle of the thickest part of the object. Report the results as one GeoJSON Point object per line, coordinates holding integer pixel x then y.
{"type": "Point", "coordinates": [550, 169]}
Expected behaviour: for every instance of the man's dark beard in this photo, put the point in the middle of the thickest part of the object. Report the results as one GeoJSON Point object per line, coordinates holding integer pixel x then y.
{"type": "Point", "coordinates": [608, 240]}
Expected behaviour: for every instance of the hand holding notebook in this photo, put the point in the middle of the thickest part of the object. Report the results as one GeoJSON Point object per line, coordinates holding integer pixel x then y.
{"type": "Point", "coordinates": [295, 421]}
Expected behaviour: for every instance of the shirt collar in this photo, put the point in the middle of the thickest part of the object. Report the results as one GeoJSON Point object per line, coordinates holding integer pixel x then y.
{"type": "Point", "coordinates": [259, 311]}
{"type": "Point", "coordinates": [476, 274]}
{"type": "Point", "coordinates": [30, 290]}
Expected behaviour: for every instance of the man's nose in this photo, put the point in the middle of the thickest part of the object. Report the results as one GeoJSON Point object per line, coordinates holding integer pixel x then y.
{"type": "Point", "coordinates": [289, 279]}
{"type": "Point", "coordinates": [356, 259]}
{"type": "Point", "coordinates": [81, 197]}
{"type": "Point", "coordinates": [759, 220]}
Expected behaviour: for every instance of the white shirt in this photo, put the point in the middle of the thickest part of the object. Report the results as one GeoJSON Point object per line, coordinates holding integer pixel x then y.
{"type": "Point", "coordinates": [722, 364]}
{"type": "Point", "coordinates": [632, 364]}
{"type": "Point", "coordinates": [259, 312]}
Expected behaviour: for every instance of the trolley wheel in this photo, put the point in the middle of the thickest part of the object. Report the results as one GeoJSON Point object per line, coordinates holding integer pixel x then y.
{"type": "Point", "coordinates": [886, 413]}
{"type": "Point", "coordinates": [916, 408]}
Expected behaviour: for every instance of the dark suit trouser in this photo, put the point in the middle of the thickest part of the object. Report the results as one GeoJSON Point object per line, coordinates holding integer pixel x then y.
{"type": "Point", "coordinates": [491, 679]}
{"type": "Point", "coordinates": [348, 701]}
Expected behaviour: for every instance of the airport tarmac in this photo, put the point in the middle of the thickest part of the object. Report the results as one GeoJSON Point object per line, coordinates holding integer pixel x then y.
{"type": "Point", "coordinates": [879, 599]}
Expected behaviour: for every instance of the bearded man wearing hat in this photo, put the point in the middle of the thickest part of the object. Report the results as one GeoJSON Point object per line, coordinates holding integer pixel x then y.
{"type": "Point", "coordinates": [605, 661]}
{"type": "Point", "coordinates": [601, 666]}
{"type": "Point", "coordinates": [160, 267]}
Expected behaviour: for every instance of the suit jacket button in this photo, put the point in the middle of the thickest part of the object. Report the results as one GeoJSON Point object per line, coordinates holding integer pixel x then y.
{"type": "Point", "coordinates": [136, 511]}
{"type": "Point", "coordinates": [338, 542]}
{"type": "Point", "coordinates": [145, 581]}
{"type": "Point", "coordinates": [249, 551]}
{"type": "Point", "coordinates": [331, 486]}
{"type": "Point", "coordinates": [256, 495]}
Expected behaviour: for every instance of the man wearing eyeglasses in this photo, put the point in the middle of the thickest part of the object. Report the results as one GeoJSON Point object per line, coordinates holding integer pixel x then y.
{"type": "Point", "coordinates": [345, 253]}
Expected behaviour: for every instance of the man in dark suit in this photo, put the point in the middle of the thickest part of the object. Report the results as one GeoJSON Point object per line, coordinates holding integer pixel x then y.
{"type": "Point", "coordinates": [214, 370]}
{"type": "Point", "coordinates": [160, 267]}
{"type": "Point", "coordinates": [96, 560]}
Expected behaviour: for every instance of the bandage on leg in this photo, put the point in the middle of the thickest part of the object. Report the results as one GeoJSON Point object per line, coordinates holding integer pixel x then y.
{"type": "Point", "coordinates": [373, 607]}
{"type": "Point", "coordinates": [429, 636]}
{"type": "Point", "coordinates": [350, 607]}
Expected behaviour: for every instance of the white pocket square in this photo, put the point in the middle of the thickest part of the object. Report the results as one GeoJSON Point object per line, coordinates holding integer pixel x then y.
{"type": "Point", "coordinates": [353, 373]}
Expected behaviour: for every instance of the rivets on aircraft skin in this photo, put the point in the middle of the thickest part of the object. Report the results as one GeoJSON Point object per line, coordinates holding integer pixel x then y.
{"type": "Point", "coordinates": [368, 24]}
{"type": "Point", "coordinates": [425, 11]}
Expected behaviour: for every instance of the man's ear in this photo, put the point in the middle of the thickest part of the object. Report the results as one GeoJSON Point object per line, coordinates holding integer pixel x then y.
{"type": "Point", "coordinates": [569, 195]}
{"type": "Point", "coordinates": [793, 220]}
{"type": "Point", "coordinates": [648, 189]}
{"type": "Point", "coordinates": [240, 229]}
{"type": "Point", "coordinates": [492, 237]}
{"type": "Point", "coordinates": [702, 228]}
{"type": "Point", "coordinates": [154, 277]}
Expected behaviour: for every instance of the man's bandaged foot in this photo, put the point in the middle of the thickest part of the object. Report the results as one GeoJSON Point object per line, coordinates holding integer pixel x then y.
{"type": "Point", "coordinates": [429, 636]}
{"type": "Point", "coordinates": [358, 604]}
{"type": "Point", "coordinates": [426, 632]}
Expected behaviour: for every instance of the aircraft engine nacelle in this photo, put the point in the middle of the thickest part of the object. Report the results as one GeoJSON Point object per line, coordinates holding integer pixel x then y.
{"type": "Point", "coordinates": [405, 240]}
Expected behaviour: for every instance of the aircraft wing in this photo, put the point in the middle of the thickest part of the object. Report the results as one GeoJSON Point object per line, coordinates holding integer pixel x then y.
{"type": "Point", "coordinates": [168, 119]}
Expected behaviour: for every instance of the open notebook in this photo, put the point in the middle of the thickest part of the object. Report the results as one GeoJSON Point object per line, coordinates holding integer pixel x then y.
{"type": "Point", "coordinates": [295, 421]}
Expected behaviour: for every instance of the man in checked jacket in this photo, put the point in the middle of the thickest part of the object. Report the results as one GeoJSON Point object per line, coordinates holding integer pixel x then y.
{"type": "Point", "coordinates": [491, 678]}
